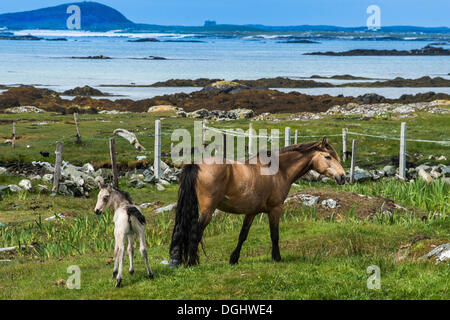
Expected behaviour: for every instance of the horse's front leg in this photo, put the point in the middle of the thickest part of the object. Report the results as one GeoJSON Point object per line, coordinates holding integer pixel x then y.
{"type": "Point", "coordinates": [274, 219]}
{"type": "Point", "coordinates": [248, 220]}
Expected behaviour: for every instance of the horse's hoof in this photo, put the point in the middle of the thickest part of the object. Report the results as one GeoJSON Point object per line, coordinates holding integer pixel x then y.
{"type": "Point", "coordinates": [174, 263]}
{"type": "Point", "coordinates": [276, 259]}
{"type": "Point", "coordinates": [114, 274]}
{"type": "Point", "coordinates": [131, 272]}
{"type": "Point", "coordinates": [118, 283]}
{"type": "Point", "coordinates": [150, 276]}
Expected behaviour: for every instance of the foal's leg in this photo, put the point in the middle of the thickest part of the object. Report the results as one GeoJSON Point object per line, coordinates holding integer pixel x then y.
{"type": "Point", "coordinates": [131, 252]}
{"type": "Point", "coordinates": [274, 218]}
{"type": "Point", "coordinates": [143, 250]}
{"type": "Point", "coordinates": [120, 240]}
{"type": "Point", "coordinates": [248, 220]}
{"type": "Point", "coordinates": [116, 260]}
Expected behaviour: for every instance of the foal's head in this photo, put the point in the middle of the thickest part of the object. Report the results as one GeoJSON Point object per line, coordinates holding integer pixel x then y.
{"type": "Point", "coordinates": [104, 199]}
{"type": "Point", "coordinates": [325, 160]}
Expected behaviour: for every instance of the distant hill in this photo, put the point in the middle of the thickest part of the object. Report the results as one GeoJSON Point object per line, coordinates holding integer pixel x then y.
{"type": "Point", "coordinates": [98, 17]}
{"type": "Point", "coordinates": [94, 16]}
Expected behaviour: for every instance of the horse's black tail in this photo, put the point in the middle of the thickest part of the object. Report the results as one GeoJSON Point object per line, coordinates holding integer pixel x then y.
{"type": "Point", "coordinates": [186, 232]}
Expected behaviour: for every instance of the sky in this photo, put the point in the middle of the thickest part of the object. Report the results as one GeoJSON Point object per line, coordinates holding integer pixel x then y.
{"type": "Point", "coordinates": [346, 13]}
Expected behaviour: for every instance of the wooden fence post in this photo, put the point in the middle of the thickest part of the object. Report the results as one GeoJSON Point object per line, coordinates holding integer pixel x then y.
{"type": "Point", "coordinates": [402, 157]}
{"type": "Point", "coordinates": [14, 136]}
{"type": "Point", "coordinates": [352, 166]}
{"type": "Point", "coordinates": [112, 153]}
{"type": "Point", "coordinates": [287, 136]}
{"type": "Point", "coordinates": [75, 117]}
{"type": "Point", "coordinates": [58, 162]}
{"type": "Point", "coordinates": [344, 144]}
{"type": "Point", "coordinates": [296, 137]}
{"type": "Point", "coordinates": [157, 162]}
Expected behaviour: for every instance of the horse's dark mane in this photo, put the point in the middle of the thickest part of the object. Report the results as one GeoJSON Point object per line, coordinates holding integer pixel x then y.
{"type": "Point", "coordinates": [307, 146]}
{"type": "Point", "coordinates": [124, 194]}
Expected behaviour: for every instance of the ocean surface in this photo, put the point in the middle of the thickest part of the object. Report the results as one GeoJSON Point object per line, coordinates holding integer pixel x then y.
{"type": "Point", "coordinates": [50, 63]}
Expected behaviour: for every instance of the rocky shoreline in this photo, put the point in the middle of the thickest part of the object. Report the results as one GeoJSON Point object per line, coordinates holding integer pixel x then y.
{"type": "Point", "coordinates": [425, 51]}
{"type": "Point", "coordinates": [222, 95]}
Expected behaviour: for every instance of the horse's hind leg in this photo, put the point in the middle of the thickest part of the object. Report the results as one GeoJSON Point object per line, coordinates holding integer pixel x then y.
{"type": "Point", "coordinates": [248, 220]}
{"type": "Point", "coordinates": [274, 219]}
{"type": "Point", "coordinates": [120, 240]}
{"type": "Point", "coordinates": [131, 252]}
{"type": "Point", "coordinates": [143, 250]}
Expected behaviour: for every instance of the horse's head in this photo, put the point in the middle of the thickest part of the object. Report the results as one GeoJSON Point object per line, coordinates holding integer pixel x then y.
{"type": "Point", "coordinates": [325, 161]}
{"type": "Point", "coordinates": [103, 199]}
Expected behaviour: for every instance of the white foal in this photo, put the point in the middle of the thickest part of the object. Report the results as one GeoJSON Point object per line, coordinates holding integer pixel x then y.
{"type": "Point", "coordinates": [128, 222]}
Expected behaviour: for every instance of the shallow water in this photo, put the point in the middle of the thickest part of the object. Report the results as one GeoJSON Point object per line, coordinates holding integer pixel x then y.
{"type": "Point", "coordinates": [49, 63]}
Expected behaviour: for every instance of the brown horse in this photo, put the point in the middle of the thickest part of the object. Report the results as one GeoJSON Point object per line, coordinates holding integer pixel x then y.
{"type": "Point", "coordinates": [240, 188]}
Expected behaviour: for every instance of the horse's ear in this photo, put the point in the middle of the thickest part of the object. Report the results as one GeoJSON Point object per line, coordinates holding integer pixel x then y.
{"type": "Point", "coordinates": [100, 182]}
{"type": "Point", "coordinates": [324, 142]}
{"type": "Point", "coordinates": [110, 187]}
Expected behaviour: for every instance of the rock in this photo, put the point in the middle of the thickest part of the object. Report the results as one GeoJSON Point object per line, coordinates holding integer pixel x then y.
{"type": "Point", "coordinates": [445, 171]}
{"type": "Point", "coordinates": [308, 200]}
{"type": "Point", "coordinates": [15, 188]}
{"type": "Point", "coordinates": [55, 217]}
{"type": "Point", "coordinates": [440, 254]}
{"type": "Point", "coordinates": [88, 168]}
{"type": "Point", "coordinates": [370, 98]}
{"type": "Point", "coordinates": [164, 182]}
{"type": "Point", "coordinates": [35, 177]}
{"type": "Point", "coordinates": [199, 114]}
{"type": "Point", "coordinates": [423, 167]}
{"type": "Point", "coordinates": [3, 171]}
{"type": "Point", "coordinates": [311, 175]}
{"type": "Point", "coordinates": [441, 158]}
{"type": "Point", "coordinates": [160, 187]}
{"type": "Point", "coordinates": [361, 174]}
{"type": "Point", "coordinates": [242, 113]}
{"type": "Point", "coordinates": [43, 188]}
{"type": "Point", "coordinates": [136, 183]}
{"type": "Point", "coordinates": [24, 109]}
{"type": "Point", "coordinates": [435, 174]}
{"type": "Point", "coordinates": [150, 179]}
{"type": "Point", "coordinates": [389, 171]}
{"type": "Point", "coordinates": [47, 177]}
{"type": "Point", "coordinates": [105, 174]}
{"type": "Point", "coordinates": [330, 203]}
{"type": "Point", "coordinates": [170, 207]}
{"type": "Point", "coordinates": [85, 91]}
{"type": "Point", "coordinates": [163, 108]}
{"type": "Point", "coordinates": [225, 87]}
{"type": "Point", "coordinates": [424, 175]}
{"type": "Point", "coordinates": [26, 184]}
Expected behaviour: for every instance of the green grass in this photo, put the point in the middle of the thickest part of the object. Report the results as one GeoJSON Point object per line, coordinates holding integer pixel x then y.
{"type": "Point", "coordinates": [322, 259]}
{"type": "Point", "coordinates": [96, 129]}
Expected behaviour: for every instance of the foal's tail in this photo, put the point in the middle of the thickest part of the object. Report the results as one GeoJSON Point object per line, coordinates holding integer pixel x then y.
{"type": "Point", "coordinates": [186, 232]}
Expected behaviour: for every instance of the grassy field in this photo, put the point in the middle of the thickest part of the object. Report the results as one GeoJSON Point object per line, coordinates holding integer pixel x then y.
{"type": "Point", "coordinates": [322, 258]}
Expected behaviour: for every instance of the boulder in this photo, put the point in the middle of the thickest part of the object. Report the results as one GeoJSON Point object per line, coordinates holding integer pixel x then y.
{"type": "Point", "coordinates": [311, 175]}
{"type": "Point", "coordinates": [88, 168]}
{"type": "Point", "coordinates": [225, 87]}
{"type": "Point", "coordinates": [242, 113]}
{"type": "Point", "coordinates": [361, 175]}
{"type": "Point", "coordinates": [26, 184]}
{"type": "Point", "coordinates": [440, 253]}
{"type": "Point", "coordinates": [47, 177]}
{"type": "Point", "coordinates": [163, 108]}
{"type": "Point", "coordinates": [424, 175]}
{"type": "Point", "coordinates": [160, 187]}
{"type": "Point", "coordinates": [389, 171]}
{"type": "Point", "coordinates": [24, 109]}
{"type": "Point", "coordinates": [330, 203]}
{"type": "Point", "coordinates": [445, 171]}
{"type": "Point", "coordinates": [15, 188]}
{"type": "Point", "coordinates": [3, 170]}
